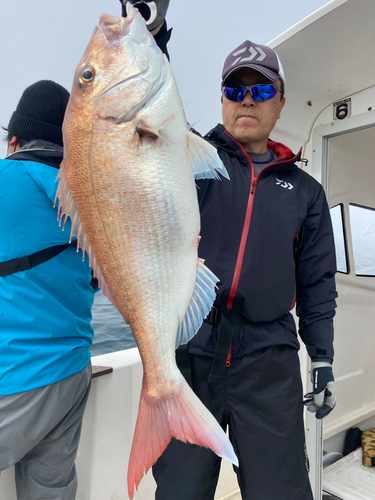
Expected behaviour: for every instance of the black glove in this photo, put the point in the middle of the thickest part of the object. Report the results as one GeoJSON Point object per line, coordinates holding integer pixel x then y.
{"type": "Point", "coordinates": [323, 398]}
{"type": "Point", "coordinates": [153, 11]}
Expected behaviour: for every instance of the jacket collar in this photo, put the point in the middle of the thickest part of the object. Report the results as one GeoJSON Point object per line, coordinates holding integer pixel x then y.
{"type": "Point", "coordinates": [223, 140]}
{"type": "Point", "coordinates": [40, 152]}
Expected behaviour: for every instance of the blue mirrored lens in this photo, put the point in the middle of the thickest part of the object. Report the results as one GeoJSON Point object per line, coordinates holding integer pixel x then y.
{"type": "Point", "coordinates": [258, 92]}
{"type": "Point", "coordinates": [235, 93]}
{"type": "Point", "coordinates": [263, 92]}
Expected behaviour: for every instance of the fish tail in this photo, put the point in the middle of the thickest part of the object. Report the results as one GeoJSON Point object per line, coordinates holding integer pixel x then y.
{"type": "Point", "coordinates": [180, 415]}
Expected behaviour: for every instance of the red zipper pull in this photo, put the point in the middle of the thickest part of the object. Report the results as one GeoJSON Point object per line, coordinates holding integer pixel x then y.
{"type": "Point", "coordinates": [229, 357]}
{"type": "Point", "coordinates": [253, 184]}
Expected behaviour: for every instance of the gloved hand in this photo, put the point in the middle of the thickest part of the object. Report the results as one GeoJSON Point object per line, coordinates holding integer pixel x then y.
{"type": "Point", "coordinates": [323, 398]}
{"type": "Point", "coordinates": [153, 11]}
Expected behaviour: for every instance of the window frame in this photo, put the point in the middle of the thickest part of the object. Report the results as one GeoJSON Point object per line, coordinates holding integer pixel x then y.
{"type": "Point", "coordinates": [344, 233]}
{"type": "Point", "coordinates": [371, 209]}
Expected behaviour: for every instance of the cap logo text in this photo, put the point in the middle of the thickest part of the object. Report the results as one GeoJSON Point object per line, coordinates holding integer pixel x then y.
{"type": "Point", "coordinates": [254, 51]}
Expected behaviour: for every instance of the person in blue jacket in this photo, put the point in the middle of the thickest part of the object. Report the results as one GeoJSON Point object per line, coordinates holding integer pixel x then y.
{"type": "Point", "coordinates": [46, 295]}
{"type": "Point", "coordinates": [267, 234]}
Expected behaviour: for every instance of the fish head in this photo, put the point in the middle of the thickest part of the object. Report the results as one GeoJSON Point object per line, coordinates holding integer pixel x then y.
{"type": "Point", "coordinates": [121, 69]}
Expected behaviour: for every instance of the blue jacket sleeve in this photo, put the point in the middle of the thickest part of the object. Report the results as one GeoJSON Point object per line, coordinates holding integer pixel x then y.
{"type": "Point", "coordinates": [315, 280]}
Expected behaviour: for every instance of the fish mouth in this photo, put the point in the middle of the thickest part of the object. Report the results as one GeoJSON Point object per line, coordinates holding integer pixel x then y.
{"type": "Point", "coordinates": [116, 28]}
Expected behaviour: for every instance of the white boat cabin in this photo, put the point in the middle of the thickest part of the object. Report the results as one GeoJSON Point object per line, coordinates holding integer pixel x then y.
{"type": "Point", "coordinates": [330, 112]}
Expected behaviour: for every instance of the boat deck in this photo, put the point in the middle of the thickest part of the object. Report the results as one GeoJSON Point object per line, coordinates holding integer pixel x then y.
{"type": "Point", "coordinates": [348, 479]}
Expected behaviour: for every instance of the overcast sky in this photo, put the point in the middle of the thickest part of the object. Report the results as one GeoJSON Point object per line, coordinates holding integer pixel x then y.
{"type": "Point", "coordinates": [45, 39]}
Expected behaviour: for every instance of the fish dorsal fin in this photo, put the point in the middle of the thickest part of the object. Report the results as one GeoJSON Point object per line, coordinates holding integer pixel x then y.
{"type": "Point", "coordinates": [203, 157]}
{"type": "Point", "coordinates": [200, 304]}
{"type": "Point", "coordinates": [67, 209]}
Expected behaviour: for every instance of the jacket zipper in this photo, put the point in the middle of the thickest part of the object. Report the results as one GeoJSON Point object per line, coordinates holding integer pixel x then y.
{"type": "Point", "coordinates": [245, 230]}
{"type": "Point", "coordinates": [241, 251]}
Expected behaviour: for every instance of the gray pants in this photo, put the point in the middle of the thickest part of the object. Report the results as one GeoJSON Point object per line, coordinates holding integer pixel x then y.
{"type": "Point", "coordinates": [39, 434]}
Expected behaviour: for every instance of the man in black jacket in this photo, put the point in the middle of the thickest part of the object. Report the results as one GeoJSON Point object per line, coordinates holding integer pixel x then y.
{"type": "Point", "coordinates": [267, 235]}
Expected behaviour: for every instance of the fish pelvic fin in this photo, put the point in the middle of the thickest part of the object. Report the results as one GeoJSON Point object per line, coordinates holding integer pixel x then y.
{"type": "Point", "coordinates": [179, 414]}
{"type": "Point", "coordinates": [204, 159]}
{"type": "Point", "coordinates": [67, 208]}
{"type": "Point", "coordinates": [200, 304]}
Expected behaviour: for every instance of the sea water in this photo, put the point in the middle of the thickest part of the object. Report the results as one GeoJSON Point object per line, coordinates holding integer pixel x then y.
{"type": "Point", "coordinates": [111, 333]}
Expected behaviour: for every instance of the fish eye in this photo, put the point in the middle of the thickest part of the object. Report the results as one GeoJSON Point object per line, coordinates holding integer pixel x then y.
{"type": "Point", "coordinates": [87, 76]}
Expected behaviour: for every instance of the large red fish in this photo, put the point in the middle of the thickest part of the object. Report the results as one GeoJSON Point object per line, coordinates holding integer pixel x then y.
{"type": "Point", "coordinates": [127, 182]}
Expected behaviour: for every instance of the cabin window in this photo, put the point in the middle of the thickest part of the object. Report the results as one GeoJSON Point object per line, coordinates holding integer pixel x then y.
{"type": "Point", "coordinates": [362, 224]}
{"type": "Point", "coordinates": [337, 216]}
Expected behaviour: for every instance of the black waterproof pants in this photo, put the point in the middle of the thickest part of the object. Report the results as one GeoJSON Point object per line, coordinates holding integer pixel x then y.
{"type": "Point", "coordinates": [260, 401]}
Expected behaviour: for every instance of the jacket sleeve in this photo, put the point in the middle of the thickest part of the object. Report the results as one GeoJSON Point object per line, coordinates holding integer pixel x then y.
{"type": "Point", "coordinates": [315, 280]}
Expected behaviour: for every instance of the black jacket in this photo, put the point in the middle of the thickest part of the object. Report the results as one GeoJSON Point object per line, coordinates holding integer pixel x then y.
{"type": "Point", "coordinates": [269, 240]}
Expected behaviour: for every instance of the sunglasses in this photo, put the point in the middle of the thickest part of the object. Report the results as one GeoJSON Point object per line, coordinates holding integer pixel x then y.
{"type": "Point", "coordinates": [257, 92]}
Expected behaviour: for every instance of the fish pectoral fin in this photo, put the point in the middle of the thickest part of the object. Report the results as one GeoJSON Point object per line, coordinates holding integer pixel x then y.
{"type": "Point", "coordinates": [180, 415]}
{"type": "Point", "coordinates": [149, 133]}
{"type": "Point", "coordinates": [200, 304]}
{"type": "Point", "coordinates": [146, 132]}
{"type": "Point", "coordinates": [204, 159]}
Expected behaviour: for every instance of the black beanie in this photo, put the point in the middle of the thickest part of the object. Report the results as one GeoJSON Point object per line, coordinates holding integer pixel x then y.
{"type": "Point", "coordinates": [40, 113]}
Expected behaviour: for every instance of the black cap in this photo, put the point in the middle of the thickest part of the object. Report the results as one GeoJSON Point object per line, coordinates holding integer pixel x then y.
{"type": "Point", "coordinates": [40, 113]}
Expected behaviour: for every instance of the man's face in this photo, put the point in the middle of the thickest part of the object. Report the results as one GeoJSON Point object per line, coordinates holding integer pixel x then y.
{"type": "Point", "coordinates": [251, 122]}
